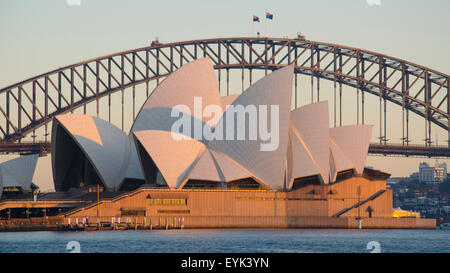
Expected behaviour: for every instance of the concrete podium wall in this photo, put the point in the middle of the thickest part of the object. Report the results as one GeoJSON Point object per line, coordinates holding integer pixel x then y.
{"type": "Point", "coordinates": [309, 207]}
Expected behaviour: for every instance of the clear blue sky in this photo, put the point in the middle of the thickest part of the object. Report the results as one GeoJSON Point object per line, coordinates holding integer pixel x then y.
{"type": "Point", "coordinates": [37, 36]}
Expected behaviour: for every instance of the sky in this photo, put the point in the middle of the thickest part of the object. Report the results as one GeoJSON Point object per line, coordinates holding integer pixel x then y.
{"type": "Point", "coordinates": [39, 36]}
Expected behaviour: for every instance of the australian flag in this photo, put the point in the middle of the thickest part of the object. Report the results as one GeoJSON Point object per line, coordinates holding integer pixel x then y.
{"type": "Point", "coordinates": [269, 16]}
{"type": "Point", "coordinates": [255, 18]}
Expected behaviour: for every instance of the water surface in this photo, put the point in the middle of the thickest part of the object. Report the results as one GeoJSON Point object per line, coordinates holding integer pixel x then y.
{"type": "Point", "coordinates": [229, 241]}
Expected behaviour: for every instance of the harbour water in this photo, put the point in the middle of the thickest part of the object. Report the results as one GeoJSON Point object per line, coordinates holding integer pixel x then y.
{"type": "Point", "coordinates": [229, 241]}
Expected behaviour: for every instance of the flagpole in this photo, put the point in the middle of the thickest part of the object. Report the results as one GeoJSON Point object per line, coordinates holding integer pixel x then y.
{"type": "Point", "coordinates": [267, 22]}
{"type": "Point", "coordinates": [255, 19]}
{"type": "Point", "coordinates": [253, 29]}
{"type": "Point", "coordinates": [269, 16]}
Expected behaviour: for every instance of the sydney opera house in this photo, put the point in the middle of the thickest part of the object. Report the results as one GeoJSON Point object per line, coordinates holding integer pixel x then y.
{"type": "Point", "coordinates": [243, 160]}
{"type": "Point", "coordinates": [90, 151]}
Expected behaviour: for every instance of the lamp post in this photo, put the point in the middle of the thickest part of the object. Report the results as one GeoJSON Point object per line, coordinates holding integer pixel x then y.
{"type": "Point", "coordinates": [359, 220]}
{"type": "Point", "coordinates": [98, 205]}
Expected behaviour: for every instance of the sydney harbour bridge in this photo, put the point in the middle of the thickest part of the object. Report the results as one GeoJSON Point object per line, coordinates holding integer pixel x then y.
{"type": "Point", "coordinates": [30, 105]}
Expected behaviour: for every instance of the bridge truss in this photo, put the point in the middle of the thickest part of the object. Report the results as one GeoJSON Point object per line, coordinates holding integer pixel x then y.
{"type": "Point", "coordinates": [32, 103]}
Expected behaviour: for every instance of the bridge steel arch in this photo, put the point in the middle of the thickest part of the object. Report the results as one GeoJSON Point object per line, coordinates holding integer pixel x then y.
{"type": "Point", "coordinates": [32, 103]}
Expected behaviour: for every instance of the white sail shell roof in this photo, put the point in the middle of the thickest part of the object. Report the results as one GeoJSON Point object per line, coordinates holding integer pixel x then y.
{"type": "Point", "coordinates": [306, 144]}
{"type": "Point", "coordinates": [274, 89]}
{"type": "Point", "coordinates": [267, 166]}
{"type": "Point", "coordinates": [134, 167]}
{"type": "Point", "coordinates": [206, 168]}
{"type": "Point", "coordinates": [18, 172]}
{"type": "Point", "coordinates": [186, 159]}
{"type": "Point", "coordinates": [218, 167]}
{"type": "Point", "coordinates": [172, 157]}
{"type": "Point", "coordinates": [311, 123]}
{"type": "Point", "coordinates": [195, 79]}
{"type": "Point", "coordinates": [339, 161]}
{"type": "Point", "coordinates": [105, 146]}
{"type": "Point", "coordinates": [228, 100]}
{"type": "Point", "coordinates": [353, 141]}
{"type": "Point", "coordinates": [301, 163]}
{"type": "Point", "coordinates": [230, 169]}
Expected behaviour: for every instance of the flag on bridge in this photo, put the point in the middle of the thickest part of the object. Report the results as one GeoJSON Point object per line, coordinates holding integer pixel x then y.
{"type": "Point", "coordinates": [269, 16]}
{"type": "Point", "coordinates": [255, 18]}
